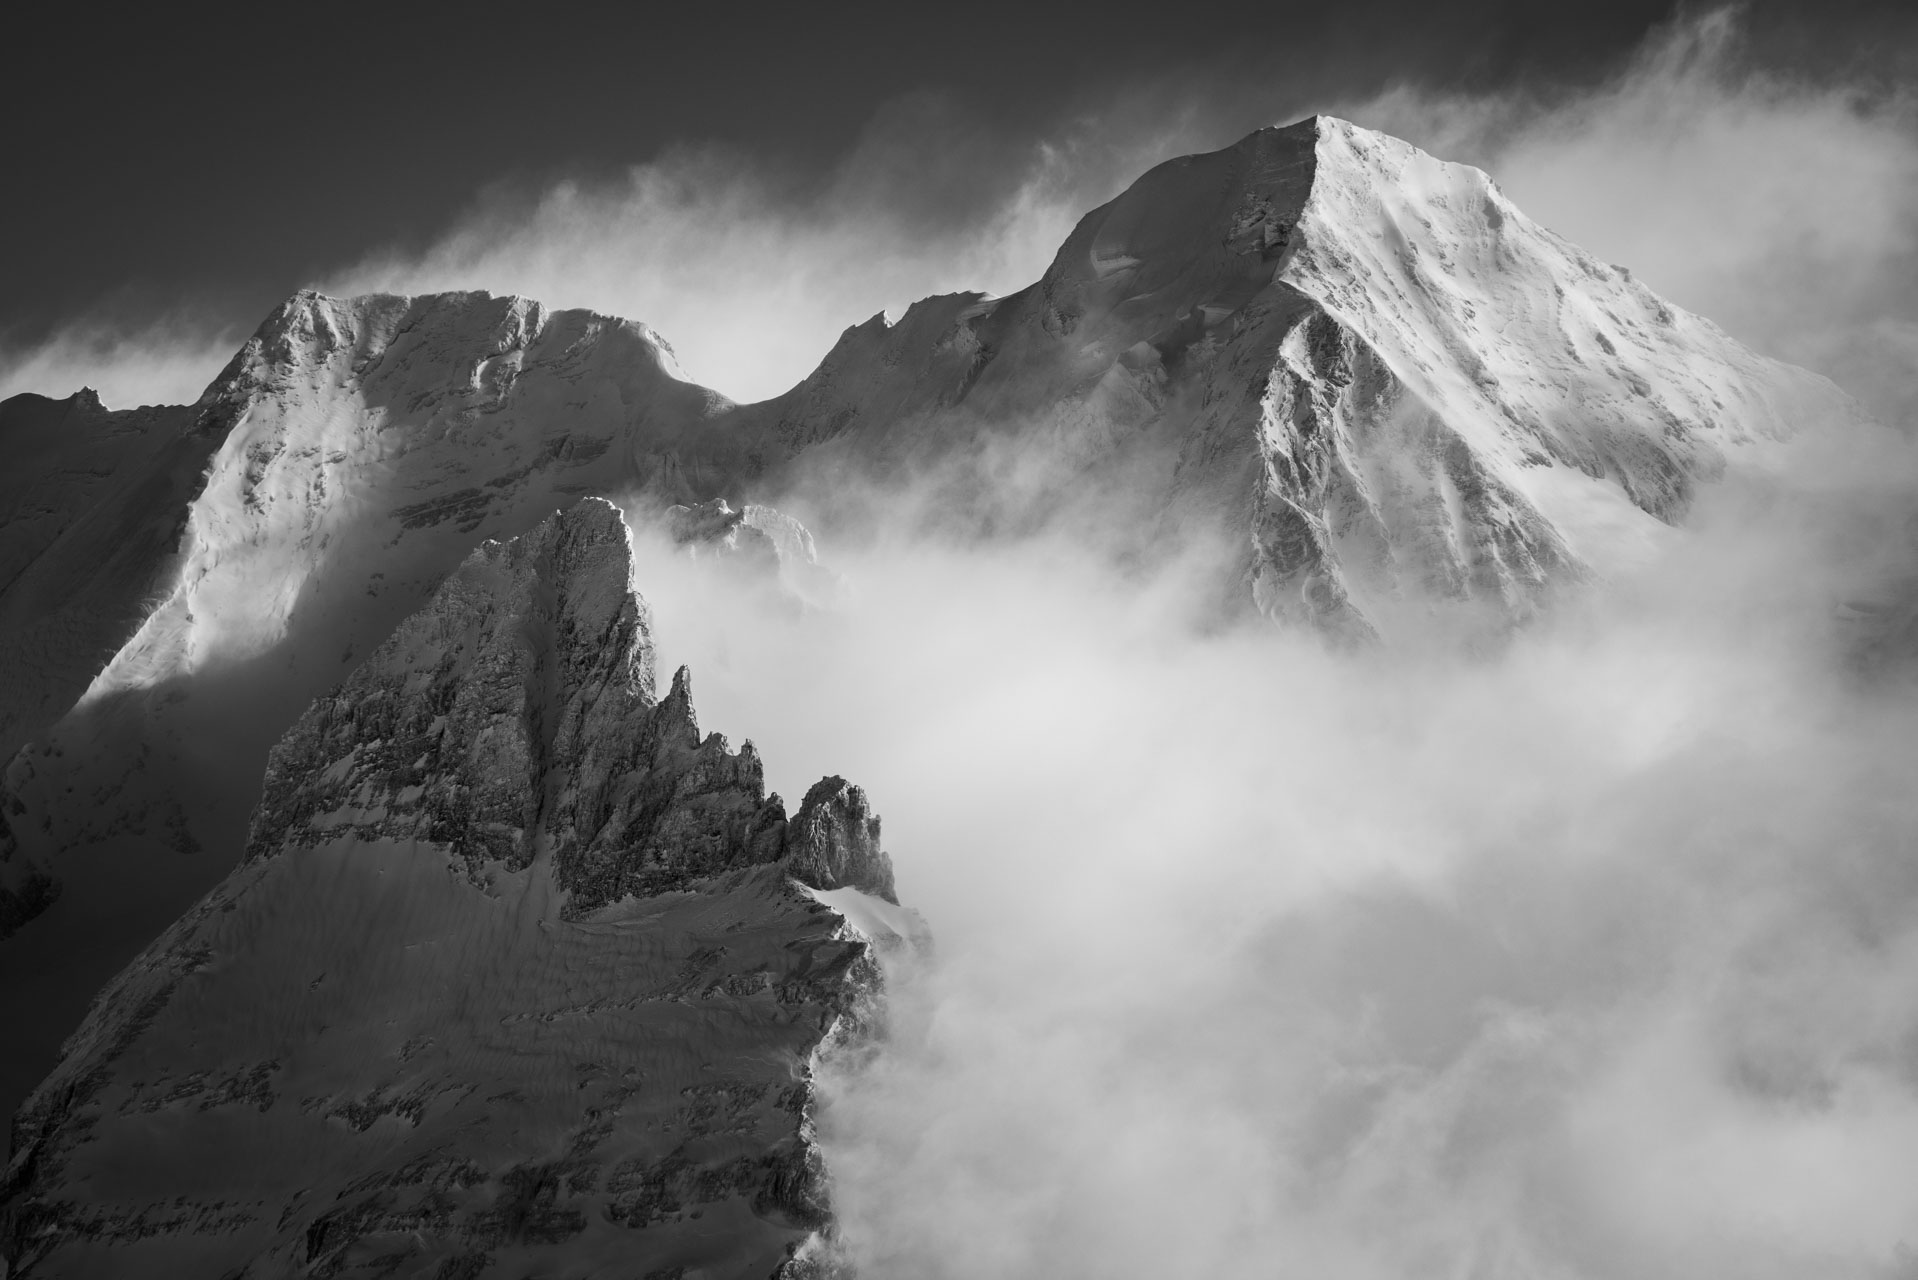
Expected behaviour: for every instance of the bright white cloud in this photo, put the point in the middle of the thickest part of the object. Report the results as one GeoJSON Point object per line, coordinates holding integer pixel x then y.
{"type": "Point", "coordinates": [1597, 956]}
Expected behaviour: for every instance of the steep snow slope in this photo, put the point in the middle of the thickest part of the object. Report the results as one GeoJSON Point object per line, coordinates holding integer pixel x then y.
{"type": "Point", "coordinates": [1539, 358]}
{"type": "Point", "coordinates": [92, 504]}
{"type": "Point", "coordinates": [351, 454]}
{"type": "Point", "coordinates": [381, 430]}
{"type": "Point", "coordinates": [1362, 365]}
{"type": "Point", "coordinates": [517, 976]}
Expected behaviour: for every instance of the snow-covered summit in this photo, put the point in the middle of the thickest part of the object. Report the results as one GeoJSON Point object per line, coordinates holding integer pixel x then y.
{"type": "Point", "coordinates": [348, 426]}
{"type": "Point", "coordinates": [1526, 339]}
{"type": "Point", "coordinates": [1363, 362]}
{"type": "Point", "coordinates": [411, 344]}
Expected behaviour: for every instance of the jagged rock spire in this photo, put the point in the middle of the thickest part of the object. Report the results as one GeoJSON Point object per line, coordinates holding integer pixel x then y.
{"type": "Point", "coordinates": [517, 711]}
{"type": "Point", "coordinates": [520, 966]}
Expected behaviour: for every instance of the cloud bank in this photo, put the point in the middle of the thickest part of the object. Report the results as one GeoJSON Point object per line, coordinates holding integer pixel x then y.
{"type": "Point", "coordinates": [1593, 956]}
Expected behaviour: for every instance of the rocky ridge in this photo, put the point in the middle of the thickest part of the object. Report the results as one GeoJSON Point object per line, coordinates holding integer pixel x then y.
{"type": "Point", "coordinates": [517, 961]}
{"type": "Point", "coordinates": [227, 562]}
{"type": "Point", "coordinates": [236, 557]}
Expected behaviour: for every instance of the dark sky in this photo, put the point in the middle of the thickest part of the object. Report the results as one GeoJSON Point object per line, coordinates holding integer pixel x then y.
{"type": "Point", "coordinates": [217, 157]}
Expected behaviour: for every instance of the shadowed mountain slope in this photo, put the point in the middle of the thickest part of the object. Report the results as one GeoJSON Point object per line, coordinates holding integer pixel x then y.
{"type": "Point", "coordinates": [520, 971]}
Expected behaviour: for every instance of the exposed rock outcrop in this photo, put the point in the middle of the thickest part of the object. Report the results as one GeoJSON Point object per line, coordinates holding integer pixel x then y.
{"type": "Point", "coordinates": [518, 966]}
{"type": "Point", "coordinates": [197, 576]}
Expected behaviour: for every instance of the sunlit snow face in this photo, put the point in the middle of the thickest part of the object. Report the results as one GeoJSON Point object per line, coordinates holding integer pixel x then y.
{"type": "Point", "coordinates": [1784, 207]}
{"type": "Point", "coordinates": [1596, 955]}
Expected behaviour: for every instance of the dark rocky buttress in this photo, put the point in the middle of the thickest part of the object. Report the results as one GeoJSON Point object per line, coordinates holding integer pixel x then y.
{"type": "Point", "coordinates": [521, 974]}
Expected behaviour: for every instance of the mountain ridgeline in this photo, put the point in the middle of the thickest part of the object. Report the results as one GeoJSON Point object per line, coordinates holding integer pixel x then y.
{"type": "Point", "coordinates": [309, 682]}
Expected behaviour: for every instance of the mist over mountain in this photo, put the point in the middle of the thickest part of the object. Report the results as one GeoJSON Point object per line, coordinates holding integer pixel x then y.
{"type": "Point", "coordinates": [1396, 727]}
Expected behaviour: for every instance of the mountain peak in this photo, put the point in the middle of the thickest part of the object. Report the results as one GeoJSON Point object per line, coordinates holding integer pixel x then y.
{"type": "Point", "coordinates": [535, 660]}
{"type": "Point", "coordinates": [516, 958]}
{"type": "Point", "coordinates": [1365, 362]}
{"type": "Point", "coordinates": [307, 335]}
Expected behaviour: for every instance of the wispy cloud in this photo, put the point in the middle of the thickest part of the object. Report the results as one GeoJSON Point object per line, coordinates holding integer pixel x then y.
{"type": "Point", "coordinates": [168, 362]}
{"type": "Point", "coordinates": [750, 272]}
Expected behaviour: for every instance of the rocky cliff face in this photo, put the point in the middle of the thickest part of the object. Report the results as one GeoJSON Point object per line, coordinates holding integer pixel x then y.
{"type": "Point", "coordinates": [194, 577]}
{"type": "Point", "coordinates": [518, 714]}
{"type": "Point", "coordinates": [519, 966]}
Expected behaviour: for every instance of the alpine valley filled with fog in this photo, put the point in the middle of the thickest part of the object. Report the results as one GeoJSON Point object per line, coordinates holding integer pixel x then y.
{"type": "Point", "coordinates": [1324, 730]}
